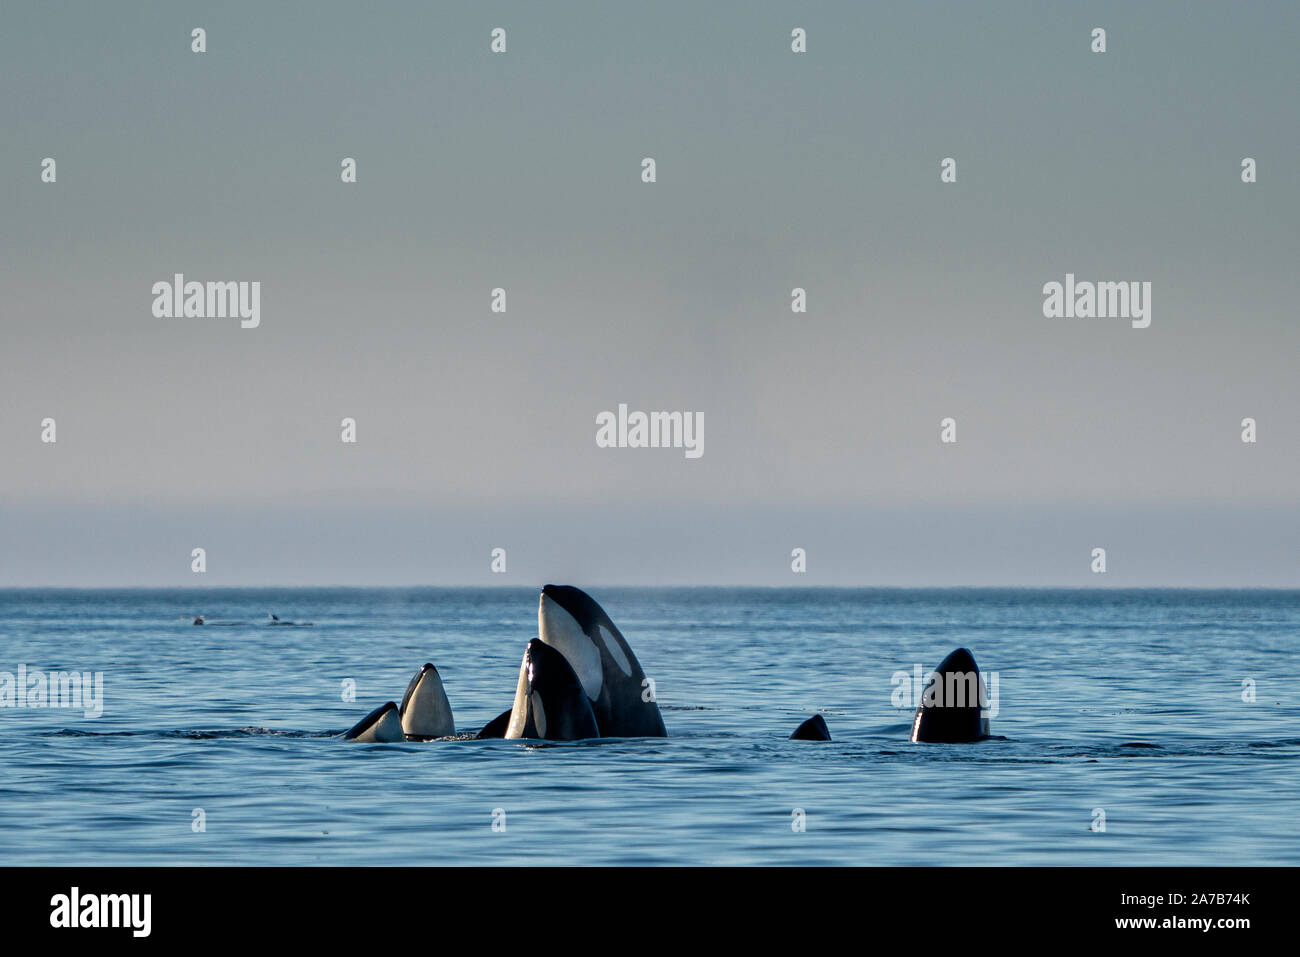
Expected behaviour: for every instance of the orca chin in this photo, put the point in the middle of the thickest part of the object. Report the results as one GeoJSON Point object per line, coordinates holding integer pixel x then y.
{"type": "Point", "coordinates": [953, 704]}
{"type": "Point", "coordinates": [496, 728]}
{"type": "Point", "coordinates": [425, 712]}
{"type": "Point", "coordinates": [381, 726]}
{"type": "Point", "coordinates": [550, 702]}
{"type": "Point", "coordinates": [570, 621]}
{"type": "Point", "coordinates": [814, 729]}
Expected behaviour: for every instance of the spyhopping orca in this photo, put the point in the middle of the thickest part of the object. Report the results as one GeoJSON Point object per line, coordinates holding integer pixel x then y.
{"type": "Point", "coordinates": [570, 621]}
{"type": "Point", "coordinates": [952, 703]}
{"type": "Point", "coordinates": [496, 728]}
{"type": "Point", "coordinates": [814, 729]}
{"type": "Point", "coordinates": [425, 712]}
{"type": "Point", "coordinates": [383, 725]}
{"type": "Point", "coordinates": [550, 702]}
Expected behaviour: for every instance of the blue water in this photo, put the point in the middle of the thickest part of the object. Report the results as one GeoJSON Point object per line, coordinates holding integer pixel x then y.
{"type": "Point", "coordinates": [1130, 702]}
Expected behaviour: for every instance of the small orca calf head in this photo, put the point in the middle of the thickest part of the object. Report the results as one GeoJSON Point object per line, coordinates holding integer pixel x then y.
{"type": "Point", "coordinates": [382, 726]}
{"type": "Point", "coordinates": [425, 711]}
{"type": "Point", "coordinates": [549, 701]}
{"type": "Point", "coordinates": [814, 729]}
{"type": "Point", "coordinates": [953, 703]}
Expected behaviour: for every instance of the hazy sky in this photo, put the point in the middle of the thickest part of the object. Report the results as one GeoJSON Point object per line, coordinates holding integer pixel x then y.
{"type": "Point", "coordinates": [775, 170]}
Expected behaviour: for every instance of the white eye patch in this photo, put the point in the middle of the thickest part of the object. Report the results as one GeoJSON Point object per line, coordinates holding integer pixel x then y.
{"type": "Point", "coordinates": [615, 650]}
{"type": "Point", "coordinates": [539, 714]}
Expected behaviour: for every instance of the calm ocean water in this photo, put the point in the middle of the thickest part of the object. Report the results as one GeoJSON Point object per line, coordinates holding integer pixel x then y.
{"type": "Point", "coordinates": [1128, 701]}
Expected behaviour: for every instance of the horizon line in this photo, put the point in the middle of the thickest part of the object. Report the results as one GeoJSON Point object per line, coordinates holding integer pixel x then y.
{"type": "Point", "coordinates": [807, 587]}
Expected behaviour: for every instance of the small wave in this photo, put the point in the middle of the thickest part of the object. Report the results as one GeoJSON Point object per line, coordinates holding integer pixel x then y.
{"type": "Point", "coordinates": [196, 734]}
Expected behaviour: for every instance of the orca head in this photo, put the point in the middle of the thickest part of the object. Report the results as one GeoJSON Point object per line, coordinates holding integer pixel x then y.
{"type": "Point", "coordinates": [814, 729]}
{"type": "Point", "coordinates": [550, 701]}
{"type": "Point", "coordinates": [383, 725]}
{"type": "Point", "coordinates": [568, 620]}
{"type": "Point", "coordinates": [425, 711]}
{"type": "Point", "coordinates": [577, 603]}
{"type": "Point", "coordinates": [545, 673]}
{"type": "Point", "coordinates": [952, 707]}
{"type": "Point", "coordinates": [961, 661]}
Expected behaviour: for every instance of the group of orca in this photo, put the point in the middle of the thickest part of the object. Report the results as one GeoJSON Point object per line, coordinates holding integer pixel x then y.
{"type": "Point", "coordinates": [579, 679]}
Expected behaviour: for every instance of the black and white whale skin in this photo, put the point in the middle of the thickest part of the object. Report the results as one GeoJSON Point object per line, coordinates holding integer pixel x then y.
{"type": "Point", "coordinates": [814, 729]}
{"type": "Point", "coordinates": [381, 726]}
{"type": "Point", "coordinates": [425, 711]}
{"type": "Point", "coordinates": [550, 702]}
{"type": "Point", "coordinates": [952, 703]}
{"type": "Point", "coordinates": [570, 621]}
{"type": "Point", "coordinates": [496, 728]}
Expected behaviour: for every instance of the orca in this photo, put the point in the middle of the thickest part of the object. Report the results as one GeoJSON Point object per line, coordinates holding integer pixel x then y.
{"type": "Point", "coordinates": [496, 728]}
{"type": "Point", "coordinates": [570, 621]}
{"type": "Point", "coordinates": [814, 729]}
{"type": "Point", "coordinates": [951, 710]}
{"type": "Point", "coordinates": [383, 725]}
{"type": "Point", "coordinates": [425, 712]}
{"type": "Point", "coordinates": [550, 702]}
{"type": "Point", "coordinates": [276, 620]}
